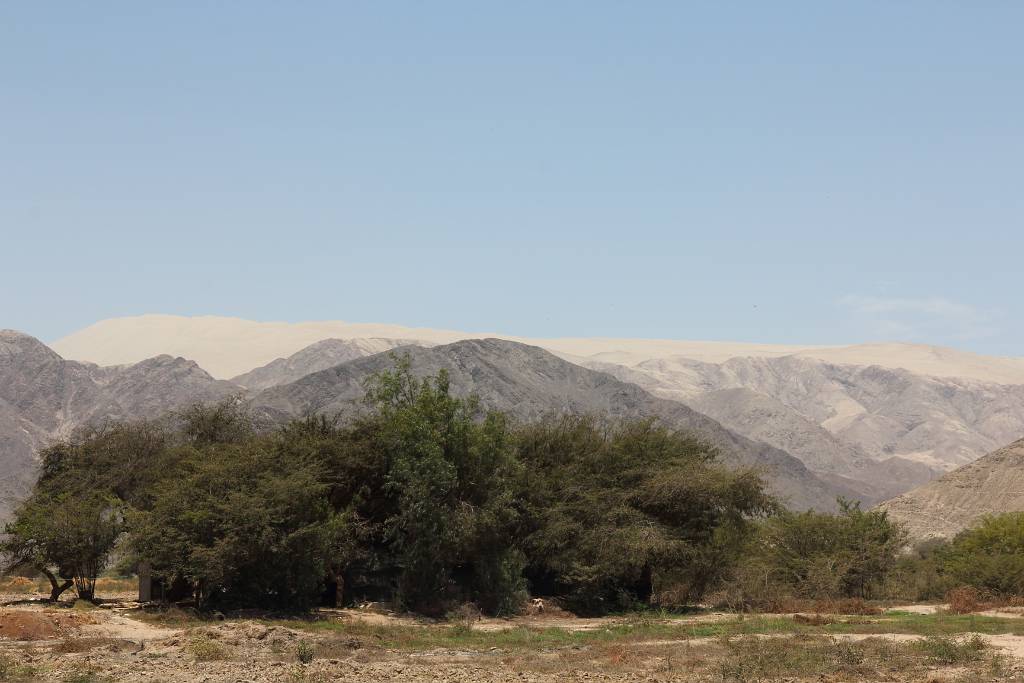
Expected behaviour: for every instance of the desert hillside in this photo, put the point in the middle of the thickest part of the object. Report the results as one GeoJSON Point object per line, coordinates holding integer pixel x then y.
{"type": "Point", "coordinates": [940, 509]}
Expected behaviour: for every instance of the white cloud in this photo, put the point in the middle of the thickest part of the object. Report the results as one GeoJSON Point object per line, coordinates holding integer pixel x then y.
{"type": "Point", "coordinates": [899, 318]}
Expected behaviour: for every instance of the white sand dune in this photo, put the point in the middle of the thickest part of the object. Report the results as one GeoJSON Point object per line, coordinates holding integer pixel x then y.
{"type": "Point", "coordinates": [226, 347]}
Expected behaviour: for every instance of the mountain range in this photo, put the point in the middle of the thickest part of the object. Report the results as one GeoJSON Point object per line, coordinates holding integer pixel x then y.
{"type": "Point", "coordinates": [868, 421]}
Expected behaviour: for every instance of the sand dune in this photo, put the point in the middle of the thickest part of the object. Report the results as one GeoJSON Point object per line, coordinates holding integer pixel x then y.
{"type": "Point", "coordinates": [226, 347]}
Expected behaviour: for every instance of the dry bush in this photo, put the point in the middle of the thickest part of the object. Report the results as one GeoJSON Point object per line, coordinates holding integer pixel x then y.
{"type": "Point", "coordinates": [964, 600]}
{"type": "Point", "coordinates": [18, 584]}
{"type": "Point", "coordinates": [968, 599]}
{"type": "Point", "coordinates": [857, 606]}
{"type": "Point", "coordinates": [205, 649]}
{"type": "Point", "coordinates": [117, 585]}
{"type": "Point", "coordinates": [812, 619]}
{"type": "Point", "coordinates": [464, 616]}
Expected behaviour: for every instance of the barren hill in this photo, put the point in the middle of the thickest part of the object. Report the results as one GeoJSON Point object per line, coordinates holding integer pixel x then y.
{"type": "Point", "coordinates": [991, 485]}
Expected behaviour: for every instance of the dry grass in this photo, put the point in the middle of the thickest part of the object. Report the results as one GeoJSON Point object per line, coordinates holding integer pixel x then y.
{"type": "Point", "coordinates": [968, 600]}
{"type": "Point", "coordinates": [70, 645]}
{"type": "Point", "coordinates": [203, 648]}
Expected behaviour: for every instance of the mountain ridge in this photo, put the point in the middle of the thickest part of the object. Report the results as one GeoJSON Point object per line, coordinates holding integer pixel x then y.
{"type": "Point", "coordinates": [528, 382]}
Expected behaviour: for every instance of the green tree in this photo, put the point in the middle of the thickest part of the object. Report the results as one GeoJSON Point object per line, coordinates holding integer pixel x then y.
{"type": "Point", "coordinates": [67, 536]}
{"type": "Point", "coordinates": [620, 514]}
{"type": "Point", "coordinates": [989, 556]}
{"type": "Point", "coordinates": [240, 524]}
{"type": "Point", "coordinates": [819, 556]}
{"type": "Point", "coordinates": [452, 477]}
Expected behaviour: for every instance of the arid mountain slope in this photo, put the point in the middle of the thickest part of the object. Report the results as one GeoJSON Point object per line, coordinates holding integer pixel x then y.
{"type": "Point", "coordinates": [991, 485]}
{"type": "Point", "coordinates": [43, 396]}
{"type": "Point", "coordinates": [315, 357]}
{"type": "Point", "coordinates": [528, 382]}
{"type": "Point", "coordinates": [938, 422]}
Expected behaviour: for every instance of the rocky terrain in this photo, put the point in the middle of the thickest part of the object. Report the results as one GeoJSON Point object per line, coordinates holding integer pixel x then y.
{"type": "Point", "coordinates": [992, 484]}
{"type": "Point", "coordinates": [43, 396]}
{"type": "Point", "coordinates": [315, 357]}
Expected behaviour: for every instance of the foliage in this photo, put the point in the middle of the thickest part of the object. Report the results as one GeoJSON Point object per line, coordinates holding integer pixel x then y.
{"type": "Point", "coordinates": [919, 573]}
{"type": "Point", "coordinates": [425, 500]}
{"type": "Point", "coordinates": [990, 556]}
{"type": "Point", "coordinates": [818, 556]}
{"type": "Point", "coordinates": [67, 534]}
{"type": "Point", "coordinates": [619, 514]}
{"type": "Point", "coordinates": [304, 652]}
{"type": "Point", "coordinates": [452, 481]}
{"type": "Point", "coordinates": [239, 524]}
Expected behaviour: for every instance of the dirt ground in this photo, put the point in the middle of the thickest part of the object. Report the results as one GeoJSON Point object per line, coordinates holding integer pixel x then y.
{"type": "Point", "coordinates": [120, 642]}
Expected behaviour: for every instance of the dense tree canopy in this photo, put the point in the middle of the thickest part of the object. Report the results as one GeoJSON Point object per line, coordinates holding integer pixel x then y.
{"type": "Point", "coordinates": [424, 499]}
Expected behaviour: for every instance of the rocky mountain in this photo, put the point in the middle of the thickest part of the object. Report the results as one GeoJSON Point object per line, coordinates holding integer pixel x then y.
{"type": "Point", "coordinates": [319, 356]}
{"type": "Point", "coordinates": [940, 509]}
{"type": "Point", "coordinates": [528, 382]}
{"type": "Point", "coordinates": [881, 417]}
{"type": "Point", "coordinates": [834, 416]}
{"type": "Point", "coordinates": [43, 396]}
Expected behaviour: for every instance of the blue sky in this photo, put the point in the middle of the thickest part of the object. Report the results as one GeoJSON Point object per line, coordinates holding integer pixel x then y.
{"type": "Point", "coordinates": [780, 172]}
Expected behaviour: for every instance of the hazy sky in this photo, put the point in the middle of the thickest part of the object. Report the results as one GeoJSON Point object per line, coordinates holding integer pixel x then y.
{"type": "Point", "coordinates": [816, 172]}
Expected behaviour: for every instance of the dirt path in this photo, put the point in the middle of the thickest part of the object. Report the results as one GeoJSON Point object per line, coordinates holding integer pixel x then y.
{"type": "Point", "coordinates": [111, 624]}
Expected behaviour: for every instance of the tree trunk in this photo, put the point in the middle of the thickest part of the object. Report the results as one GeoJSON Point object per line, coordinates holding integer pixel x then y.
{"type": "Point", "coordinates": [56, 588]}
{"type": "Point", "coordinates": [339, 589]}
{"type": "Point", "coordinates": [86, 587]}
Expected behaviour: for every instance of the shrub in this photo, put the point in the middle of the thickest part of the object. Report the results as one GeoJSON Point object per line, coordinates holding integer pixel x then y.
{"type": "Point", "coordinates": [816, 556]}
{"type": "Point", "coordinates": [964, 600]}
{"type": "Point", "coordinates": [304, 652]}
{"type": "Point", "coordinates": [205, 649]}
{"type": "Point", "coordinates": [952, 649]}
{"type": "Point", "coordinates": [990, 556]}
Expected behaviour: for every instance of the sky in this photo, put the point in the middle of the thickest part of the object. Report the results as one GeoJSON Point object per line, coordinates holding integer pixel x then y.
{"type": "Point", "coordinates": [787, 172]}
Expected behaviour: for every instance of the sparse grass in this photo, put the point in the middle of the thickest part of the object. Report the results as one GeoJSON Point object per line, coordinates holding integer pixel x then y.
{"type": "Point", "coordinates": [205, 649]}
{"type": "Point", "coordinates": [411, 637]}
{"type": "Point", "coordinates": [751, 659]}
{"type": "Point", "coordinates": [10, 670]}
{"type": "Point", "coordinates": [69, 645]}
{"type": "Point", "coordinates": [85, 676]}
{"type": "Point", "coordinates": [952, 649]}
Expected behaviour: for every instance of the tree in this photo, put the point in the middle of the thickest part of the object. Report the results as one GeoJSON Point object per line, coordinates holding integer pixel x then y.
{"type": "Point", "coordinates": [67, 536]}
{"type": "Point", "coordinates": [452, 478]}
{"type": "Point", "coordinates": [989, 556]}
{"type": "Point", "coordinates": [820, 556]}
{"type": "Point", "coordinates": [620, 514]}
{"type": "Point", "coordinates": [239, 523]}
